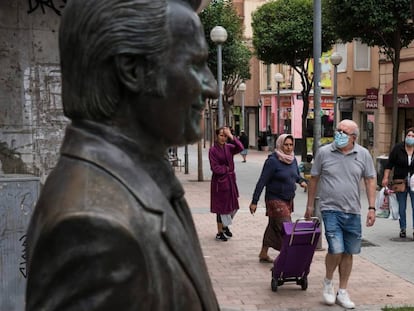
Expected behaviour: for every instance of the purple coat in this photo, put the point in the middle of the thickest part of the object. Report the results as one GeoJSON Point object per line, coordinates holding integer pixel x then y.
{"type": "Point", "coordinates": [224, 192]}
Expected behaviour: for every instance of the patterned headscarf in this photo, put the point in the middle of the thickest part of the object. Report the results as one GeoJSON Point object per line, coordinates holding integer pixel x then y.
{"type": "Point", "coordinates": [282, 156]}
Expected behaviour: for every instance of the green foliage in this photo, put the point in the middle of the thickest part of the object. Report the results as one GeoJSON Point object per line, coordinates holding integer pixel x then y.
{"type": "Point", "coordinates": [377, 23]}
{"type": "Point", "coordinates": [283, 32]}
{"type": "Point", "coordinates": [386, 24]}
{"type": "Point", "coordinates": [406, 308]}
{"type": "Point", "coordinates": [236, 55]}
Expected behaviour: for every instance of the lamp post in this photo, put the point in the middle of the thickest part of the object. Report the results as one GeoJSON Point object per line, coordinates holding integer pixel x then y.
{"type": "Point", "coordinates": [336, 59]}
{"type": "Point", "coordinates": [278, 78]}
{"type": "Point", "coordinates": [242, 89]}
{"type": "Point", "coordinates": [219, 35]}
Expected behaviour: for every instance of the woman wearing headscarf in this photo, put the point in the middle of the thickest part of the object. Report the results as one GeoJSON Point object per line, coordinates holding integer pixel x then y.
{"type": "Point", "coordinates": [279, 175]}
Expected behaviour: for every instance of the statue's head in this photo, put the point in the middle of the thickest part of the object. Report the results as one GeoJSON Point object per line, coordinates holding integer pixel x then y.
{"type": "Point", "coordinates": [92, 34]}
{"type": "Point", "coordinates": [141, 62]}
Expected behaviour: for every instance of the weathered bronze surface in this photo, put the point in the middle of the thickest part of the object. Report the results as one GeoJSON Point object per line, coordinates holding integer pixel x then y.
{"type": "Point", "coordinates": [111, 229]}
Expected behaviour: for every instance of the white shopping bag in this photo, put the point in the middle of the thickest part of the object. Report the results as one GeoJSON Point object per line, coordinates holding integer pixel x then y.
{"type": "Point", "coordinates": [382, 203]}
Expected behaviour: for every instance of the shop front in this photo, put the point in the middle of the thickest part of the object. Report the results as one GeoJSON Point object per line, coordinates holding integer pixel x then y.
{"type": "Point", "coordinates": [287, 117]}
{"type": "Point", "coordinates": [405, 111]}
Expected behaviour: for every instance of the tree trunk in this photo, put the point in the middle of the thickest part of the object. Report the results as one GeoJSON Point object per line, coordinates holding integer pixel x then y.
{"type": "Point", "coordinates": [395, 72]}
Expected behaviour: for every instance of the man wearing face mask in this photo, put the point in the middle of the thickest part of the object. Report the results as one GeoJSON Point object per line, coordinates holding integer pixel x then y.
{"type": "Point", "coordinates": [335, 176]}
{"type": "Point", "coordinates": [401, 160]}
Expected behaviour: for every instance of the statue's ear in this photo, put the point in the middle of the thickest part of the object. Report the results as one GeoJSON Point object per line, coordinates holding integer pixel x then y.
{"type": "Point", "coordinates": [131, 71]}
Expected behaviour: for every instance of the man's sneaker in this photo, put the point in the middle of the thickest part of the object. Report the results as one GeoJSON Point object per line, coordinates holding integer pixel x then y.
{"type": "Point", "coordinates": [221, 237]}
{"type": "Point", "coordinates": [227, 232]}
{"type": "Point", "coordinates": [342, 299]}
{"type": "Point", "coordinates": [328, 292]}
{"type": "Point", "coordinates": [403, 234]}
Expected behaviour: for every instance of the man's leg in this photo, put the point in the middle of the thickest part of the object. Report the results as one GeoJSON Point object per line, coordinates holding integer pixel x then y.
{"type": "Point", "coordinates": [333, 235]}
{"type": "Point", "coordinates": [345, 268]}
{"type": "Point", "coordinates": [332, 261]}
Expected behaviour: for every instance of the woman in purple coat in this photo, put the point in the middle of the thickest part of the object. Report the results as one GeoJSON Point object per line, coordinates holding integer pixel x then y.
{"type": "Point", "coordinates": [224, 192]}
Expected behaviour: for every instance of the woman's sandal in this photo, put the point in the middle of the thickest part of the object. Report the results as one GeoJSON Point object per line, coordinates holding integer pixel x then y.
{"type": "Point", "coordinates": [266, 260]}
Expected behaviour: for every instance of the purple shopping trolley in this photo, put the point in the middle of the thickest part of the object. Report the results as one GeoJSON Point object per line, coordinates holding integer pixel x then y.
{"type": "Point", "coordinates": [300, 239]}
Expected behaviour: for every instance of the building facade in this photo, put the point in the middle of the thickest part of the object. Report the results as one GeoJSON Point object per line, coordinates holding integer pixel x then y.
{"type": "Point", "coordinates": [364, 87]}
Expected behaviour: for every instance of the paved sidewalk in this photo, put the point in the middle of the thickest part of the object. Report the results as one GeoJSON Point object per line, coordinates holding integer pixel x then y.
{"type": "Point", "coordinates": [242, 283]}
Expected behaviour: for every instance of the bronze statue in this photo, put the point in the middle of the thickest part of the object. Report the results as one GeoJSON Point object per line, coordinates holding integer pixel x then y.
{"type": "Point", "coordinates": [111, 229]}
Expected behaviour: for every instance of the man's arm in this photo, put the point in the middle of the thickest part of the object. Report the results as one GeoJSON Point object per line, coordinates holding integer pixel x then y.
{"type": "Point", "coordinates": [312, 187]}
{"type": "Point", "coordinates": [371, 188]}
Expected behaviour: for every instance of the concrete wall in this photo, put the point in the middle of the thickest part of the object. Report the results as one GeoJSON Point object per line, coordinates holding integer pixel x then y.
{"type": "Point", "coordinates": [31, 115]}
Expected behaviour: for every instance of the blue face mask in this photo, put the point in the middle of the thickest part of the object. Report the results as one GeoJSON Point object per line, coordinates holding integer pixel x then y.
{"type": "Point", "coordinates": [341, 139]}
{"type": "Point", "coordinates": [409, 141]}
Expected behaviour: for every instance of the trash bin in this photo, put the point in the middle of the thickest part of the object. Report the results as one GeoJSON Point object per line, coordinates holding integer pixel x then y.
{"type": "Point", "coordinates": [18, 196]}
{"type": "Point", "coordinates": [381, 161]}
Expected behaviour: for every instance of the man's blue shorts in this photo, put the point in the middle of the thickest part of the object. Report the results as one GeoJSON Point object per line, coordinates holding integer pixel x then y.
{"type": "Point", "coordinates": [342, 232]}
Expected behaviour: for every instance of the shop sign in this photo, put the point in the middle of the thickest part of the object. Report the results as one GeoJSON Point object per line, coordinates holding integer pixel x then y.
{"type": "Point", "coordinates": [371, 99]}
{"type": "Point", "coordinates": [267, 101]}
{"type": "Point", "coordinates": [346, 105]}
{"type": "Point", "coordinates": [404, 100]}
{"type": "Point", "coordinates": [327, 102]}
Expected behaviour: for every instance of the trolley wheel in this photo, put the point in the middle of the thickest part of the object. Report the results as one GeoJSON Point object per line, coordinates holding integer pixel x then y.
{"type": "Point", "coordinates": [304, 284]}
{"type": "Point", "coordinates": [273, 284]}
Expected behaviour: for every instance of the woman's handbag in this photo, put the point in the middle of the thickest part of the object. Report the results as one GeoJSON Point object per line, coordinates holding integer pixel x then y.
{"type": "Point", "coordinates": [398, 185]}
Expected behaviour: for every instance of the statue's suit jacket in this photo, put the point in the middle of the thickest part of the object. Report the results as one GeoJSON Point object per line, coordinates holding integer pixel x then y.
{"type": "Point", "coordinates": [103, 236]}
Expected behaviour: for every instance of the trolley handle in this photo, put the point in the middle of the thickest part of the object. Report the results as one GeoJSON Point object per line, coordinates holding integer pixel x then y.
{"type": "Point", "coordinates": [315, 220]}
{"type": "Point", "coordinates": [316, 223]}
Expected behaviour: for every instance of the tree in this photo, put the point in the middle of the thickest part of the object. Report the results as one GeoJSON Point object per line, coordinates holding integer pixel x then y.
{"type": "Point", "coordinates": [386, 24]}
{"type": "Point", "coordinates": [236, 54]}
{"type": "Point", "coordinates": [283, 34]}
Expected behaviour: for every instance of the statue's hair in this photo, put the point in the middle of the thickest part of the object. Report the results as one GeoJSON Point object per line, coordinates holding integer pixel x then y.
{"type": "Point", "coordinates": [92, 33]}
{"type": "Point", "coordinates": [193, 3]}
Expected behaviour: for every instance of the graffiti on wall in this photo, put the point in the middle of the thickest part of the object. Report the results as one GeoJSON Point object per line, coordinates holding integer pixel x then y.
{"type": "Point", "coordinates": [43, 112]}
{"type": "Point", "coordinates": [55, 5]}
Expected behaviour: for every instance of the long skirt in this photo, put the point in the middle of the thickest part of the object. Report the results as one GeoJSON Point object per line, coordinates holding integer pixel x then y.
{"type": "Point", "coordinates": [278, 212]}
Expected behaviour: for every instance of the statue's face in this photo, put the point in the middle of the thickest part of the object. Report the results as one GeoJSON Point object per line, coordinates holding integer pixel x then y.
{"type": "Point", "coordinates": [176, 119]}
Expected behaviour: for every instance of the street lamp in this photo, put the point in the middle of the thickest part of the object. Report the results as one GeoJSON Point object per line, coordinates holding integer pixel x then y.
{"type": "Point", "coordinates": [219, 35]}
{"type": "Point", "coordinates": [336, 59]}
{"type": "Point", "coordinates": [279, 78]}
{"type": "Point", "coordinates": [242, 89]}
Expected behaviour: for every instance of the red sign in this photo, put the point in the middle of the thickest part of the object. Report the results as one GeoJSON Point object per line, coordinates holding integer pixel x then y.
{"type": "Point", "coordinates": [267, 101]}
{"type": "Point", "coordinates": [404, 100]}
{"type": "Point", "coordinates": [327, 102]}
{"type": "Point", "coordinates": [371, 99]}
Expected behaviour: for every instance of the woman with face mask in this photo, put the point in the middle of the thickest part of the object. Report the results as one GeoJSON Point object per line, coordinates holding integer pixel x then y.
{"type": "Point", "coordinates": [401, 161]}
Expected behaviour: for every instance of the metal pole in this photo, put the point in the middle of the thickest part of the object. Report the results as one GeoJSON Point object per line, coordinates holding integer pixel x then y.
{"type": "Point", "coordinates": [186, 159]}
{"type": "Point", "coordinates": [219, 81]}
{"type": "Point", "coordinates": [243, 127]}
{"type": "Point", "coordinates": [335, 96]}
{"type": "Point", "coordinates": [278, 109]}
{"type": "Point", "coordinates": [317, 47]}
